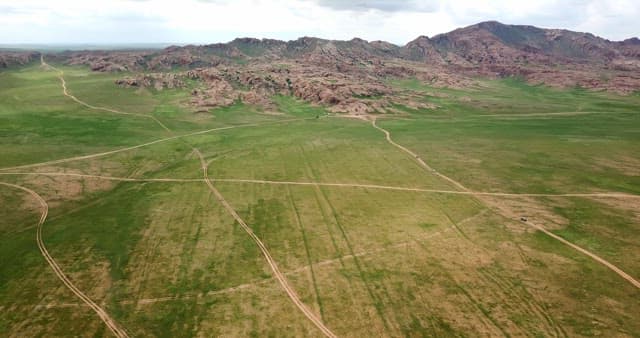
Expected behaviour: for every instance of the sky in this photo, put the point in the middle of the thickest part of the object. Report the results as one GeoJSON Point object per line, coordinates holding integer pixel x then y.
{"type": "Point", "coordinates": [210, 21]}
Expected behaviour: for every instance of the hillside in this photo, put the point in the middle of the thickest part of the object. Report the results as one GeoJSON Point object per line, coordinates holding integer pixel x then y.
{"type": "Point", "coordinates": [346, 75]}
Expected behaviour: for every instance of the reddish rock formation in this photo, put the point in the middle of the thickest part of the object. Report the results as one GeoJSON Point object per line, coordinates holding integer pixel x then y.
{"type": "Point", "coordinates": [352, 76]}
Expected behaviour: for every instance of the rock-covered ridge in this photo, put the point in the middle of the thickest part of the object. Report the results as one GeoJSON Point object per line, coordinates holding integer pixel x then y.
{"type": "Point", "coordinates": [352, 76]}
{"type": "Point", "coordinates": [483, 43]}
{"type": "Point", "coordinates": [14, 59]}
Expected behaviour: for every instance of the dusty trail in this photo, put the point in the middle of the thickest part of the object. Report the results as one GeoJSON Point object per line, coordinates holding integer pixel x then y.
{"type": "Point", "coordinates": [462, 190]}
{"type": "Point", "coordinates": [111, 152]}
{"type": "Point", "coordinates": [322, 184]}
{"type": "Point", "coordinates": [438, 191]}
{"type": "Point", "coordinates": [597, 258]}
{"type": "Point", "coordinates": [265, 252]}
{"type": "Point", "coordinates": [417, 158]}
{"type": "Point", "coordinates": [66, 93]}
{"type": "Point", "coordinates": [101, 154]}
{"type": "Point", "coordinates": [104, 316]}
{"type": "Point", "coordinates": [108, 178]}
{"type": "Point", "coordinates": [294, 297]}
{"type": "Point", "coordinates": [507, 116]}
{"type": "Point", "coordinates": [468, 191]}
{"type": "Point", "coordinates": [146, 301]}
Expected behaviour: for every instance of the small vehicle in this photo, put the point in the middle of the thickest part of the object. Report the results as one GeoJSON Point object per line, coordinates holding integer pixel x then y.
{"type": "Point", "coordinates": [523, 218]}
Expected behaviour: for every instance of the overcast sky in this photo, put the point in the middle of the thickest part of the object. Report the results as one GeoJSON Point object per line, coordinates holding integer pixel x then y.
{"type": "Point", "coordinates": [206, 21]}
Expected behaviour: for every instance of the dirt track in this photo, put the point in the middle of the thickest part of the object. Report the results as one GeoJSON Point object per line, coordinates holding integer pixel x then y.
{"type": "Point", "coordinates": [597, 258]}
{"type": "Point", "coordinates": [465, 190]}
{"type": "Point", "coordinates": [111, 152]}
{"type": "Point", "coordinates": [104, 316]}
{"type": "Point", "coordinates": [66, 93]}
{"type": "Point", "coordinates": [146, 301]}
{"type": "Point", "coordinates": [272, 263]}
{"type": "Point", "coordinates": [101, 154]}
{"type": "Point", "coordinates": [344, 185]}
{"type": "Point", "coordinates": [278, 275]}
{"type": "Point", "coordinates": [288, 289]}
{"type": "Point", "coordinates": [417, 158]}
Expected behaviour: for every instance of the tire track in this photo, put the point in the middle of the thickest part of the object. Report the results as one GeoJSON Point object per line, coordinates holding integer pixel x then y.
{"type": "Point", "coordinates": [305, 241]}
{"type": "Point", "coordinates": [439, 191]}
{"type": "Point", "coordinates": [294, 297]}
{"type": "Point", "coordinates": [323, 184]}
{"type": "Point", "coordinates": [265, 252]}
{"type": "Point", "coordinates": [417, 158]}
{"type": "Point", "coordinates": [525, 300]}
{"type": "Point", "coordinates": [104, 316]}
{"type": "Point", "coordinates": [466, 190]}
{"type": "Point", "coordinates": [595, 257]}
{"type": "Point", "coordinates": [66, 93]}
{"type": "Point", "coordinates": [323, 195]}
{"type": "Point", "coordinates": [146, 301]}
{"type": "Point", "coordinates": [111, 152]}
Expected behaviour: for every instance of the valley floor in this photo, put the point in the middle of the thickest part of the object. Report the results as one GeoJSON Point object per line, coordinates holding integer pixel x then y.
{"type": "Point", "coordinates": [509, 210]}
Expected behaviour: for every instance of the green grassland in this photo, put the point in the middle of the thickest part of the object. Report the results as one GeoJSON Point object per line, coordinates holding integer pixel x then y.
{"type": "Point", "coordinates": [166, 259]}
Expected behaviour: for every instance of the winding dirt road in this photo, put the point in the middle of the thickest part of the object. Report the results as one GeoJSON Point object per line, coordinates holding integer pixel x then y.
{"type": "Point", "coordinates": [119, 332]}
{"type": "Point", "coordinates": [468, 191]}
{"type": "Point", "coordinates": [104, 316]}
{"type": "Point", "coordinates": [66, 93]}
{"type": "Point", "coordinates": [283, 282]}
{"type": "Point", "coordinates": [111, 152]}
{"type": "Point", "coordinates": [272, 263]}
{"type": "Point", "coordinates": [145, 301]}
{"type": "Point", "coordinates": [417, 158]}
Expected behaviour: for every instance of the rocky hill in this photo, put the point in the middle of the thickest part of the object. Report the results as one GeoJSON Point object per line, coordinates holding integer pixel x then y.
{"type": "Point", "coordinates": [13, 59]}
{"type": "Point", "coordinates": [346, 75]}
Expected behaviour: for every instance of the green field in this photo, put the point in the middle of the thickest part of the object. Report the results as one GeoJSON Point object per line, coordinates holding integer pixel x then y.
{"type": "Point", "coordinates": [167, 259]}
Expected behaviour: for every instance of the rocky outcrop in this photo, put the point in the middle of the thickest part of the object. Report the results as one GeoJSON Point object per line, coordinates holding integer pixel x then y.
{"type": "Point", "coordinates": [352, 76]}
{"type": "Point", "coordinates": [16, 59]}
{"type": "Point", "coordinates": [158, 81]}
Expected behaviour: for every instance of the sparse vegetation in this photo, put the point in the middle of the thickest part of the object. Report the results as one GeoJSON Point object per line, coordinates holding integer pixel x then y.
{"type": "Point", "coordinates": [167, 259]}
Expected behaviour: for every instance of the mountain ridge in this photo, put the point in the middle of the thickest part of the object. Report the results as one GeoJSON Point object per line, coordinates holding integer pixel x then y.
{"type": "Point", "coordinates": [343, 74]}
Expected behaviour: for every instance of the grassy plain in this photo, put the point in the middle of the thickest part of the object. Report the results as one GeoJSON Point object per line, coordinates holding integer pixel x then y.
{"type": "Point", "coordinates": [166, 259]}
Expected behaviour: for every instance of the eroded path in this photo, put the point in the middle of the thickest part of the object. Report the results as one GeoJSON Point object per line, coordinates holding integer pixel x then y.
{"type": "Point", "coordinates": [166, 139]}
{"type": "Point", "coordinates": [113, 326]}
{"type": "Point", "coordinates": [270, 261]}
{"type": "Point", "coordinates": [66, 93]}
{"type": "Point", "coordinates": [466, 190]}
{"type": "Point", "coordinates": [104, 316]}
{"type": "Point", "coordinates": [326, 184]}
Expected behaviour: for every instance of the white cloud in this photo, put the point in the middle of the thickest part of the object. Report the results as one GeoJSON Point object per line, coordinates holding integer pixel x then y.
{"type": "Point", "coordinates": [382, 5]}
{"type": "Point", "coordinates": [204, 21]}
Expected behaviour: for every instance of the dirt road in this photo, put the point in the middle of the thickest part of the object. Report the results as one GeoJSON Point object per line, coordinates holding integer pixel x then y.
{"type": "Point", "coordinates": [265, 252]}
{"type": "Point", "coordinates": [290, 292]}
{"type": "Point", "coordinates": [280, 277]}
{"type": "Point", "coordinates": [465, 190]}
{"type": "Point", "coordinates": [146, 301]}
{"type": "Point", "coordinates": [597, 258]}
{"type": "Point", "coordinates": [111, 152]}
{"type": "Point", "coordinates": [417, 158]}
{"type": "Point", "coordinates": [104, 316]}
{"type": "Point", "coordinates": [66, 93]}
{"type": "Point", "coordinates": [322, 184]}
